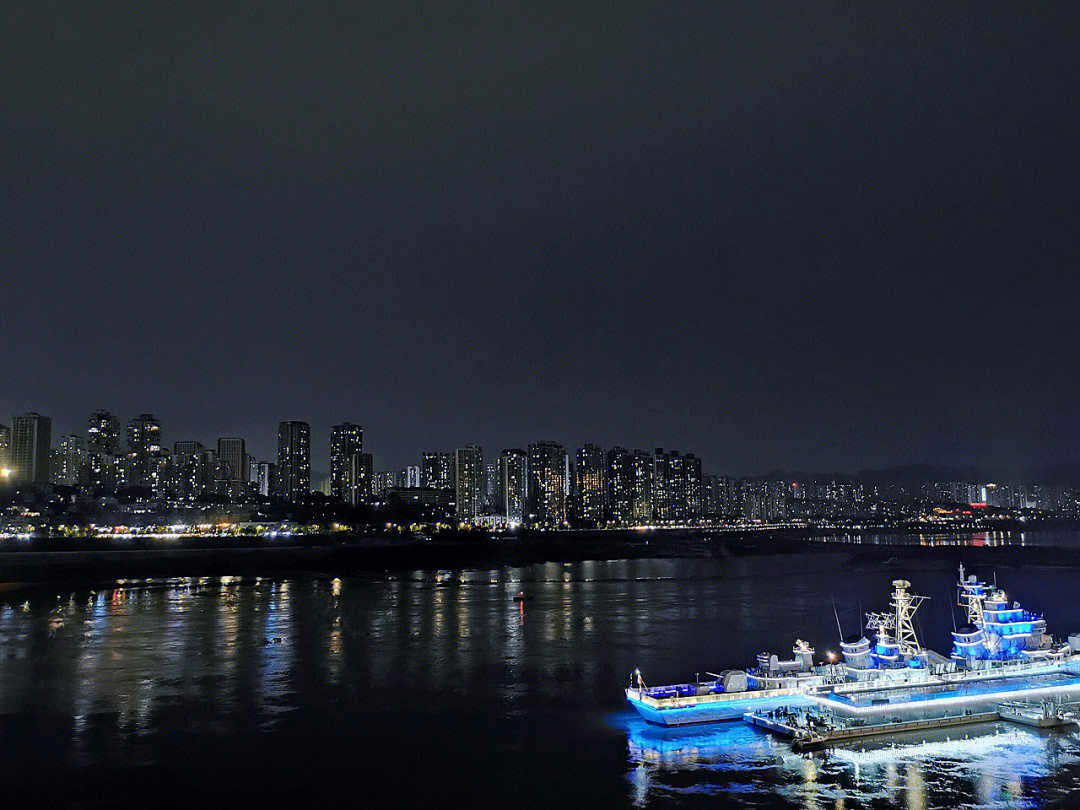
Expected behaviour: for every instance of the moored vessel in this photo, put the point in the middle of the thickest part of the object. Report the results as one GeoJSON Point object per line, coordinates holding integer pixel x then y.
{"type": "Point", "coordinates": [1002, 653]}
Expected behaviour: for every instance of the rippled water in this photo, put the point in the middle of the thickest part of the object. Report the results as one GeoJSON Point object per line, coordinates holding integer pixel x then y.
{"type": "Point", "coordinates": [438, 686]}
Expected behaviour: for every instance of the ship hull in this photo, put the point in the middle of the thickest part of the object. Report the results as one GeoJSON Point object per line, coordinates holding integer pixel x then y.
{"type": "Point", "coordinates": [670, 714]}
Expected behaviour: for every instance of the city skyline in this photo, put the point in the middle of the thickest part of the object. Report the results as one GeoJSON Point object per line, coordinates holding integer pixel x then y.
{"type": "Point", "coordinates": [321, 466]}
{"type": "Point", "coordinates": [116, 439]}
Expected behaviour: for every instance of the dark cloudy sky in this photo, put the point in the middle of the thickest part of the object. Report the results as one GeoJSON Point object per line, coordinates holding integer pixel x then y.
{"type": "Point", "coordinates": [809, 235]}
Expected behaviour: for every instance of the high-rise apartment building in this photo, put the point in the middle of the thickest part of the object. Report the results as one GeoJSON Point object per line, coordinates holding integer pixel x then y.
{"type": "Point", "coordinates": [437, 470]}
{"type": "Point", "coordinates": [547, 484]}
{"type": "Point", "coordinates": [31, 448]}
{"type": "Point", "coordinates": [190, 475]}
{"type": "Point", "coordinates": [512, 474]}
{"type": "Point", "coordinates": [346, 440]}
{"type": "Point", "coordinates": [619, 483]}
{"type": "Point", "coordinates": [294, 460]}
{"type": "Point", "coordinates": [69, 460]}
{"type": "Point", "coordinates": [232, 453]}
{"type": "Point", "coordinates": [676, 487]}
{"type": "Point", "coordinates": [695, 499]}
{"type": "Point", "coordinates": [5, 453]}
{"type": "Point", "coordinates": [359, 480]}
{"type": "Point", "coordinates": [143, 443]}
{"type": "Point", "coordinates": [104, 469]}
{"type": "Point", "coordinates": [266, 479]}
{"type": "Point", "coordinates": [468, 474]}
{"type": "Point", "coordinates": [490, 486]}
{"type": "Point", "coordinates": [103, 433]}
{"type": "Point", "coordinates": [589, 485]}
{"type": "Point", "coordinates": [642, 494]}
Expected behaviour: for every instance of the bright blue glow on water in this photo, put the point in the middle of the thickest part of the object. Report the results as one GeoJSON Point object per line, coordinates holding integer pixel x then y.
{"type": "Point", "coordinates": [987, 766]}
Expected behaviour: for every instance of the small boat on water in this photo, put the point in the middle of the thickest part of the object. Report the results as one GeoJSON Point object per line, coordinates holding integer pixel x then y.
{"type": "Point", "coordinates": [521, 597]}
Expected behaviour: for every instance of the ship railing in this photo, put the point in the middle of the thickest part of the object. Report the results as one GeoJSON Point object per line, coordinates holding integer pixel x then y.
{"type": "Point", "coordinates": [1017, 665]}
{"type": "Point", "coordinates": [875, 685]}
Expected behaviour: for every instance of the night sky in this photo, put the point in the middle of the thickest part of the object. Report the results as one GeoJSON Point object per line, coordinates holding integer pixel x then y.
{"type": "Point", "coordinates": [802, 236]}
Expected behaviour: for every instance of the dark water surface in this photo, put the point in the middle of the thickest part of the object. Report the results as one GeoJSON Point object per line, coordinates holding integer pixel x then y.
{"type": "Point", "coordinates": [437, 687]}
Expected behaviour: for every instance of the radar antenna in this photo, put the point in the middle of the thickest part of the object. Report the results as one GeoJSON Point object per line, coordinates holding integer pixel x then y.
{"type": "Point", "coordinates": [880, 623]}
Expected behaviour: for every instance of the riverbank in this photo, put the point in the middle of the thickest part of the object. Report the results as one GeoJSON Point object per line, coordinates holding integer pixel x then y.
{"type": "Point", "coordinates": [73, 560]}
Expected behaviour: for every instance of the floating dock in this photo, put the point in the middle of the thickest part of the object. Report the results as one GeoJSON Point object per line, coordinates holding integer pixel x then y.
{"type": "Point", "coordinates": [810, 729]}
{"type": "Point", "coordinates": [1038, 715]}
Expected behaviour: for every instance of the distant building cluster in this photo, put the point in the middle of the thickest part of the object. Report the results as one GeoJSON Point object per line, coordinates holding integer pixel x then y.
{"type": "Point", "coordinates": [542, 485]}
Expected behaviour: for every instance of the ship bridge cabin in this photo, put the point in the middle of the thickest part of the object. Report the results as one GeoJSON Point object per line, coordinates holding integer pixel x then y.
{"type": "Point", "coordinates": [996, 630]}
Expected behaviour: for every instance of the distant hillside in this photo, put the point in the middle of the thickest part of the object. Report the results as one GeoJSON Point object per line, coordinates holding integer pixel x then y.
{"type": "Point", "coordinates": [1060, 474]}
{"type": "Point", "coordinates": [919, 473]}
{"type": "Point", "coordinates": [1066, 473]}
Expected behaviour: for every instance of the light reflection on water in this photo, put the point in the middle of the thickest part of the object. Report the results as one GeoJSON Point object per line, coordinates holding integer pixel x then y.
{"type": "Point", "coordinates": [151, 672]}
{"type": "Point", "coordinates": [988, 766]}
{"type": "Point", "coordinates": [1049, 538]}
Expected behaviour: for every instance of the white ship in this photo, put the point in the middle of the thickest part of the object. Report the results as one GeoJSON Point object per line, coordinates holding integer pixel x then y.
{"type": "Point", "coordinates": [1002, 653]}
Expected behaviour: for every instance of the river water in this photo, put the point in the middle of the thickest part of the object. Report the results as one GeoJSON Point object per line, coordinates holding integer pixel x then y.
{"type": "Point", "coordinates": [438, 687]}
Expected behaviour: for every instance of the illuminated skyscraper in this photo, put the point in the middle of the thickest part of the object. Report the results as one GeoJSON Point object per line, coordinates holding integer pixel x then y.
{"type": "Point", "coordinates": [346, 440]}
{"type": "Point", "coordinates": [359, 480]}
{"type": "Point", "coordinates": [68, 461]}
{"type": "Point", "coordinates": [547, 484]}
{"type": "Point", "coordinates": [5, 453]}
{"type": "Point", "coordinates": [294, 461]}
{"type": "Point", "coordinates": [717, 497]}
{"type": "Point", "coordinates": [437, 470]}
{"type": "Point", "coordinates": [490, 486]}
{"type": "Point", "coordinates": [641, 488]}
{"type": "Point", "coordinates": [143, 442]}
{"type": "Point", "coordinates": [676, 487]}
{"type": "Point", "coordinates": [31, 448]}
{"type": "Point", "coordinates": [382, 481]}
{"type": "Point", "coordinates": [619, 482]}
{"type": "Point", "coordinates": [103, 450]}
{"type": "Point", "coordinates": [695, 501]}
{"type": "Point", "coordinates": [191, 477]}
{"type": "Point", "coordinates": [412, 476]}
{"type": "Point", "coordinates": [589, 485]}
{"type": "Point", "coordinates": [468, 474]}
{"type": "Point", "coordinates": [512, 486]}
{"type": "Point", "coordinates": [103, 433]}
{"type": "Point", "coordinates": [266, 482]}
{"type": "Point", "coordinates": [232, 453]}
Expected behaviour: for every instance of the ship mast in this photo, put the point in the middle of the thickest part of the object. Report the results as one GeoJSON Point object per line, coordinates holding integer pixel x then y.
{"type": "Point", "coordinates": [904, 605]}
{"type": "Point", "coordinates": [971, 599]}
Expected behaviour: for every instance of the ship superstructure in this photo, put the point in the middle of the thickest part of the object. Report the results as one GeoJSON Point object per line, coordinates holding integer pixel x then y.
{"type": "Point", "coordinates": [896, 646]}
{"type": "Point", "coordinates": [1002, 652]}
{"type": "Point", "coordinates": [995, 630]}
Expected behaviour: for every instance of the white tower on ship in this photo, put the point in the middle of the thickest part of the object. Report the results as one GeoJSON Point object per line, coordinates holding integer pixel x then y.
{"type": "Point", "coordinates": [904, 605]}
